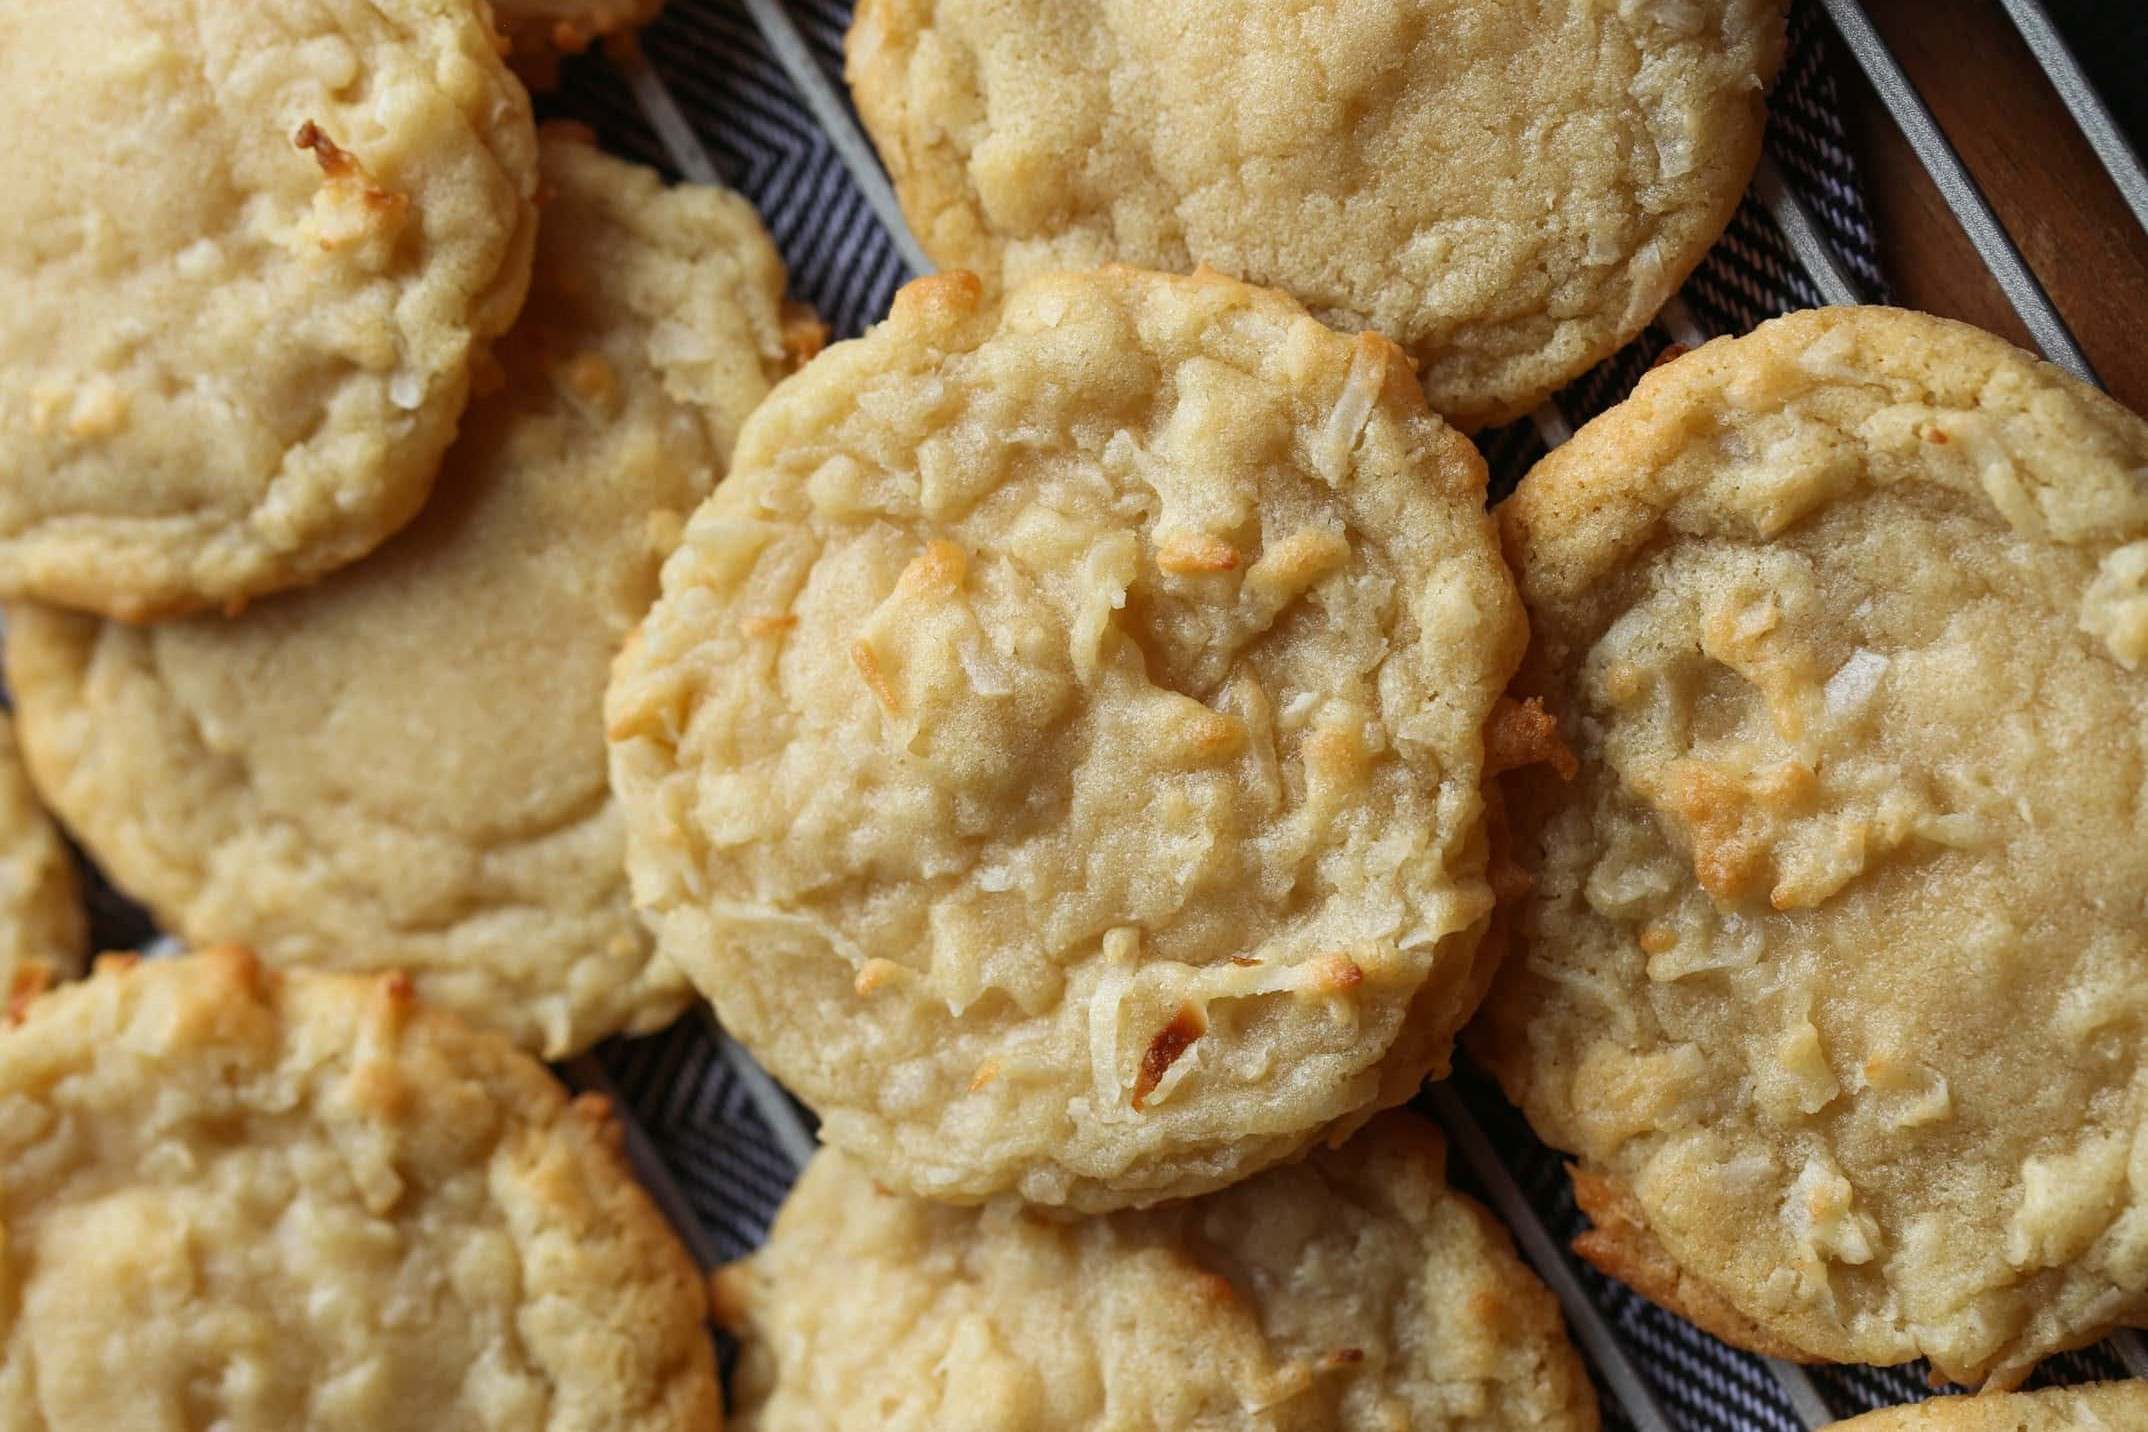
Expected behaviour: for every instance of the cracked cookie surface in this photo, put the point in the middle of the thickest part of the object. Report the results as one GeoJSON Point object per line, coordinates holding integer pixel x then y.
{"type": "Point", "coordinates": [1508, 193]}
{"type": "Point", "coordinates": [1832, 974]}
{"type": "Point", "coordinates": [252, 1200]}
{"type": "Point", "coordinates": [252, 252]}
{"type": "Point", "coordinates": [1350, 1292]}
{"type": "Point", "coordinates": [404, 766]}
{"type": "Point", "coordinates": [1056, 751]}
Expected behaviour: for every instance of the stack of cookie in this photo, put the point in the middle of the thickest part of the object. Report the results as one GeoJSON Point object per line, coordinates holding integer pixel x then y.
{"type": "Point", "coordinates": [1085, 737]}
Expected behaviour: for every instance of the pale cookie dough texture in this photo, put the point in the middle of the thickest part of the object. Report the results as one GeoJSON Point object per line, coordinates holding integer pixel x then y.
{"type": "Point", "coordinates": [404, 766]}
{"type": "Point", "coordinates": [539, 33]}
{"type": "Point", "coordinates": [251, 251]}
{"type": "Point", "coordinates": [1833, 976]}
{"type": "Point", "coordinates": [255, 1201]}
{"type": "Point", "coordinates": [44, 933]}
{"type": "Point", "coordinates": [1352, 1292]}
{"type": "Point", "coordinates": [1510, 194]}
{"type": "Point", "coordinates": [2111, 1407]}
{"type": "Point", "coordinates": [1056, 752]}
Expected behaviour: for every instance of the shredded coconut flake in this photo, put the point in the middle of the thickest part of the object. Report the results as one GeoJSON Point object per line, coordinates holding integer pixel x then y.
{"type": "Point", "coordinates": [1353, 408]}
{"type": "Point", "coordinates": [981, 664]}
{"type": "Point", "coordinates": [1175, 1075]}
{"type": "Point", "coordinates": [1850, 690]}
{"type": "Point", "coordinates": [1122, 950]}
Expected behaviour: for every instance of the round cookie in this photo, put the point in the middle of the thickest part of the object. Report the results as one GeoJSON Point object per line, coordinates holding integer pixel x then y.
{"type": "Point", "coordinates": [1353, 1290]}
{"type": "Point", "coordinates": [44, 933]}
{"type": "Point", "coordinates": [257, 1201]}
{"type": "Point", "coordinates": [403, 767]}
{"type": "Point", "coordinates": [2108, 1407]}
{"type": "Point", "coordinates": [1056, 751]}
{"type": "Point", "coordinates": [1508, 194]}
{"type": "Point", "coordinates": [540, 32]}
{"type": "Point", "coordinates": [252, 252]}
{"type": "Point", "coordinates": [1832, 973]}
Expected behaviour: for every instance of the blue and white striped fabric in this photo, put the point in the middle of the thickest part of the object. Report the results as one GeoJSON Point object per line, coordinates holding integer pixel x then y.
{"type": "Point", "coordinates": [750, 92]}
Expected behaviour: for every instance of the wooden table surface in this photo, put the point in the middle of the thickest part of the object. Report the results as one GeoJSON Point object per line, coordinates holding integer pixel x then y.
{"type": "Point", "coordinates": [2044, 182]}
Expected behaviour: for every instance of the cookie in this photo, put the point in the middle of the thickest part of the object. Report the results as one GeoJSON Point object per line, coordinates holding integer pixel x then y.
{"type": "Point", "coordinates": [2110, 1407]}
{"type": "Point", "coordinates": [248, 1200]}
{"type": "Point", "coordinates": [252, 252]}
{"type": "Point", "coordinates": [540, 33]}
{"type": "Point", "coordinates": [403, 767]}
{"type": "Point", "coordinates": [1354, 1290]}
{"type": "Point", "coordinates": [1056, 751]}
{"type": "Point", "coordinates": [1832, 974]}
{"type": "Point", "coordinates": [1509, 194]}
{"type": "Point", "coordinates": [44, 934]}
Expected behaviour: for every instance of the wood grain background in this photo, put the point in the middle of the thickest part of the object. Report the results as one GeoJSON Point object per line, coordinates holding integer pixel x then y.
{"type": "Point", "coordinates": [2045, 183]}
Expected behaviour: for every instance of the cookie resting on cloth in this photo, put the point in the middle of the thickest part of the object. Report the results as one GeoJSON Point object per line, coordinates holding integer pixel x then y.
{"type": "Point", "coordinates": [250, 255]}
{"type": "Point", "coordinates": [44, 932]}
{"type": "Point", "coordinates": [1057, 749]}
{"type": "Point", "coordinates": [1350, 1292]}
{"type": "Point", "coordinates": [1510, 192]}
{"type": "Point", "coordinates": [1833, 975]}
{"type": "Point", "coordinates": [2109, 1407]}
{"type": "Point", "coordinates": [540, 33]}
{"type": "Point", "coordinates": [256, 1200]}
{"type": "Point", "coordinates": [404, 767]}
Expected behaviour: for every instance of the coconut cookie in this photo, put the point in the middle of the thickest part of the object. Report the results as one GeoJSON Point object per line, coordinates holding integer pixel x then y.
{"type": "Point", "coordinates": [1833, 973]}
{"type": "Point", "coordinates": [1352, 1291]}
{"type": "Point", "coordinates": [2110, 1407]}
{"type": "Point", "coordinates": [248, 1200]}
{"type": "Point", "coordinates": [1056, 751]}
{"type": "Point", "coordinates": [404, 767]}
{"type": "Point", "coordinates": [251, 253]}
{"type": "Point", "coordinates": [1507, 193]}
{"type": "Point", "coordinates": [540, 32]}
{"type": "Point", "coordinates": [43, 931]}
